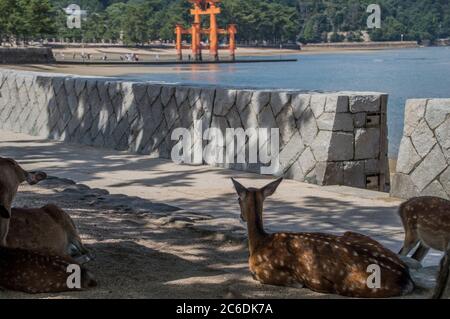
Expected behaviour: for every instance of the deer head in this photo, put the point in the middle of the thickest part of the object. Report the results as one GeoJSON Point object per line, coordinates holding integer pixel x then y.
{"type": "Point", "coordinates": [250, 198]}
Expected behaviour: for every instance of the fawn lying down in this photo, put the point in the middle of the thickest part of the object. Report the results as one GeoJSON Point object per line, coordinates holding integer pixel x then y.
{"type": "Point", "coordinates": [48, 229]}
{"type": "Point", "coordinates": [26, 270]}
{"type": "Point", "coordinates": [33, 272]}
{"type": "Point", "coordinates": [321, 262]}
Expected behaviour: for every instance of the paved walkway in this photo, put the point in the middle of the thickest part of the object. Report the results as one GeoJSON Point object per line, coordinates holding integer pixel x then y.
{"type": "Point", "coordinates": [208, 190]}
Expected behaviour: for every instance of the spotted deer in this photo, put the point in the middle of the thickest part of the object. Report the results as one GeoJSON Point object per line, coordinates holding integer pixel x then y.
{"type": "Point", "coordinates": [34, 272]}
{"type": "Point", "coordinates": [26, 270]}
{"type": "Point", "coordinates": [427, 224]}
{"type": "Point", "coordinates": [321, 262]}
{"type": "Point", "coordinates": [48, 229]}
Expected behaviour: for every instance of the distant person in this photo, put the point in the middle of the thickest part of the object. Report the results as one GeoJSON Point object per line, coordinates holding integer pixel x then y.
{"type": "Point", "coordinates": [157, 57]}
{"type": "Point", "coordinates": [189, 57]}
{"type": "Point", "coordinates": [136, 57]}
{"type": "Point", "coordinates": [105, 57]}
{"type": "Point", "coordinates": [121, 58]}
{"type": "Point", "coordinates": [89, 56]}
{"type": "Point", "coordinates": [74, 55]}
{"type": "Point", "coordinates": [62, 56]}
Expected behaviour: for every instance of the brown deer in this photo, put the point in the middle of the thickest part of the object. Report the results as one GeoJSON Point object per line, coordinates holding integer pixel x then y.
{"type": "Point", "coordinates": [427, 222]}
{"type": "Point", "coordinates": [48, 229]}
{"type": "Point", "coordinates": [25, 270]}
{"type": "Point", "coordinates": [34, 272]}
{"type": "Point", "coordinates": [321, 262]}
{"type": "Point", "coordinates": [11, 176]}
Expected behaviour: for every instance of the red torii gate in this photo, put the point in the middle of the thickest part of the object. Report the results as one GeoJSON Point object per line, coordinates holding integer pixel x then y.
{"type": "Point", "coordinates": [205, 7]}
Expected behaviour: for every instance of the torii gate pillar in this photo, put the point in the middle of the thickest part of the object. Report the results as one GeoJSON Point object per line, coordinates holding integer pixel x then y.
{"type": "Point", "coordinates": [205, 7]}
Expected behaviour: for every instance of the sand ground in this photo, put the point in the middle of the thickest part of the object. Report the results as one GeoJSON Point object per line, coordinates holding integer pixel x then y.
{"type": "Point", "coordinates": [150, 255]}
{"type": "Point", "coordinates": [159, 229]}
{"type": "Point", "coordinates": [159, 253]}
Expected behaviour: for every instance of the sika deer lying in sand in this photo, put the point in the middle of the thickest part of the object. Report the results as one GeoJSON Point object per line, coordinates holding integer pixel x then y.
{"type": "Point", "coordinates": [48, 229]}
{"type": "Point", "coordinates": [321, 262]}
{"type": "Point", "coordinates": [26, 270]}
{"type": "Point", "coordinates": [427, 222]}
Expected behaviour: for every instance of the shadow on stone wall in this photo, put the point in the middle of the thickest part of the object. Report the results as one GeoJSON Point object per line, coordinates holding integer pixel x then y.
{"type": "Point", "coordinates": [357, 133]}
{"type": "Point", "coordinates": [322, 136]}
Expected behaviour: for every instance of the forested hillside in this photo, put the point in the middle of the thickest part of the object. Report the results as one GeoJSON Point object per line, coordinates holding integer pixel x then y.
{"type": "Point", "coordinates": [263, 20]}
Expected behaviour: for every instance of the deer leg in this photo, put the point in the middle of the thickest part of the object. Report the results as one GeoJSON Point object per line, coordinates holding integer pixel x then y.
{"type": "Point", "coordinates": [421, 252]}
{"type": "Point", "coordinates": [4, 228]}
{"type": "Point", "coordinates": [442, 279]}
{"type": "Point", "coordinates": [411, 240]}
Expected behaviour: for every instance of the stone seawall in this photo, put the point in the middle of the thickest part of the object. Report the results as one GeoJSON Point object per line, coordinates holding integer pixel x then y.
{"type": "Point", "coordinates": [423, 166]}
{"type": "Point", "coordinates": [325, 138]}
{"type": "Point", "coordinates": [26, 55]}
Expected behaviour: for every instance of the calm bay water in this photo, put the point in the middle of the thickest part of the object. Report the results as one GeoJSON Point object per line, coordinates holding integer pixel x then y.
{"type": "Point", "coordinates": [403, 74]}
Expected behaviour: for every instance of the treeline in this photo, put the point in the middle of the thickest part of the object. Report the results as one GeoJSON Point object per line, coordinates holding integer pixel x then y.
{"type": "Point", "coordinates": [411, 19]}
{"type": "Point", "coordinates": [275, 21]}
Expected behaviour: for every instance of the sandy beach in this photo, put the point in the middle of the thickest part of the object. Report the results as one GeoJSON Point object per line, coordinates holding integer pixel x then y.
{"type": "Point", "coordinates": [155, 55]}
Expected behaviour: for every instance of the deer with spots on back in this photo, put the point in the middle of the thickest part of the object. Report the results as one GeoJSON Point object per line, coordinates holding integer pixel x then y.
{"type": "Point", "coordinates": [321, 262]}
{"type": "Point", "coordinates": [26, 270]}
{"type": "Point", "coordinates": [426, 221]}
{"type": "Point", "coordinates": [48, 229]}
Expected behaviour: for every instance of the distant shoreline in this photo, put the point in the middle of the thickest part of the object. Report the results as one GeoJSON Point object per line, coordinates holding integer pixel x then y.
{"type": "Point", "coordinates": [158, 54]}
{"type": "Point", "coordinates": [163, 53]}
{"type": "Point", "coordinates": [363, 45]}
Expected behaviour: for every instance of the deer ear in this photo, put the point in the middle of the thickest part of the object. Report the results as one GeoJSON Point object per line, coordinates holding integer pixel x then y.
{"type": "Point", "coordinates": [240, 190]}
{"type": "Point", "coordinates": [270, 189]}
{"type": "Point", "coordinates": [4, 213]}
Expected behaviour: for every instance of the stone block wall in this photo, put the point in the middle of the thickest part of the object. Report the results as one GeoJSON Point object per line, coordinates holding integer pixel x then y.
{"type": "Point", "coordinates": [325, 138]}
{"type": "Point", "coordinates": [26, 55]}
{"type": "Point", "coordinates": [423, 166]}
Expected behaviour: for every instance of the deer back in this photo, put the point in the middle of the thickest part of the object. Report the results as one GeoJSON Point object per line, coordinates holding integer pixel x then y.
{"type": "Point", "coordinates": [47, 229]}
{"type": "Point", "coordinates": [32, 272]}
{"type": "Point", "coordinates": [429, 217]}
{"type": "Point", "coordinates": [331, 264]}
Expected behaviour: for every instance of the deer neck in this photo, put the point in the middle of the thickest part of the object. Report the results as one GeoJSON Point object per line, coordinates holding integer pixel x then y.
{"type": "Point", "coordinates": [256, 232]}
